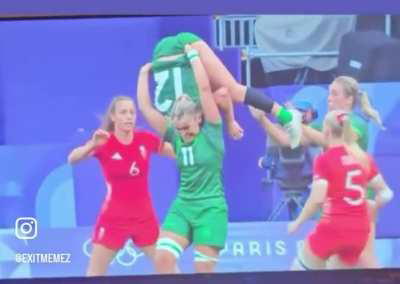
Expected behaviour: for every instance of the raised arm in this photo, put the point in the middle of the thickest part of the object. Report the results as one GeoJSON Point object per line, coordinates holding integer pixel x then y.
{"type": "Point", "coordinates": [99, 137]}
{"type": "Point", "coordinates": [208, 104]}
{"type": "Point", "coordinates": [153, 117]}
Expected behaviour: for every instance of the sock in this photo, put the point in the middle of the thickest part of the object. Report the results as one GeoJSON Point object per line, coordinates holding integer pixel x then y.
{"type": "Point", "coordinates": [284, 116]}
{"type": "Point", "coordinates": [258, 100]}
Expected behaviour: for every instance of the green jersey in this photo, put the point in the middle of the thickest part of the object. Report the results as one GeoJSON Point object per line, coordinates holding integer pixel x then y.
{"type": "Point", "coordinates": [199, 162]}
{"type": "Point", "coordinates": [173, 77]}
{"type": "Point", "coordinates": [359, 126]}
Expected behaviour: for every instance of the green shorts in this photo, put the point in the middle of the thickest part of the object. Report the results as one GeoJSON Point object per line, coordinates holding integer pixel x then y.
{"type": "Point", "coordinates": [171, 45]}
{"type": "Point", "coordinates": [202, 222]}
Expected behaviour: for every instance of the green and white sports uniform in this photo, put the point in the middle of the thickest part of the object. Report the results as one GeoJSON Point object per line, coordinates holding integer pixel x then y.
{"type": "Point", "coordinates": [173, 77]}
{"type": "Point", "coordinates": [199, 213]}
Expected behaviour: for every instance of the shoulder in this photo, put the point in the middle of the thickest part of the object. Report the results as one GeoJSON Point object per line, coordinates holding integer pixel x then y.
{"type": "Point", "coordinates": [144, 134]}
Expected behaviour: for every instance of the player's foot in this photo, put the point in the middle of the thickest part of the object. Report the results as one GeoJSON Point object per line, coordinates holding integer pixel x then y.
{"type": "Point", "coordinates": [293, 128]}
{"type": "Point", "coordinates": [235, 130]}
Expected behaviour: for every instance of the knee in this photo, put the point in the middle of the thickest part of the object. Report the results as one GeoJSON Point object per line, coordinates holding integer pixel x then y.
{"type": "Point", "coordinates": [205, 267]}
{"type": "Point", "coordinates": [164, 262]}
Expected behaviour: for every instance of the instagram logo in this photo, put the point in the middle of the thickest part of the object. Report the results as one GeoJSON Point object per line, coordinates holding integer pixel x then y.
{"type": "Point", "coordinates": [26, 228]}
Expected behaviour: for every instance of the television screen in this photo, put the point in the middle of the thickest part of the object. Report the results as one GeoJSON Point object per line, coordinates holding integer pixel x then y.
{"type": "Point", "coordinates": [224, 186]}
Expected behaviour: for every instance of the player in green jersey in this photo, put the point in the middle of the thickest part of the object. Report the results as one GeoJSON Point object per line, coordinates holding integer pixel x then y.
{"type": "Point", "coordinates": [199, 214]}
{"type": "Point", "coordinates": [174, 76]}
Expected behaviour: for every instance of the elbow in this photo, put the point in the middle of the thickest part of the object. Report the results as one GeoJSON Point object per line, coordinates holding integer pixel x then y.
{"type": "Point", "coordinates": [386, 195]}
{"type": "Point", "coordinates": [71, 160]}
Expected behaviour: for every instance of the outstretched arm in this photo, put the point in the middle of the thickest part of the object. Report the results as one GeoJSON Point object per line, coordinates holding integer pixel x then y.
{"type": "Point", "coordinates": [314, 136]}
{"type": "Point", "coordinates": [153, 117]}
{"type": "Point", "coordinates": [274, 130]}
{"type": "Point", "coordinates": [208, 104]}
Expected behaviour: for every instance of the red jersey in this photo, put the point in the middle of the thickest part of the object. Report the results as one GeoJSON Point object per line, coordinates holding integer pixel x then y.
{"type": "Point", "coordinates": [126, 168]}
{"type": "Point", "coordinates": [345, 205]}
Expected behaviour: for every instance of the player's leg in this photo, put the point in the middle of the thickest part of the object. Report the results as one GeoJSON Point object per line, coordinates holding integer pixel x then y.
{"type": "Point", "coordinates": [174, 238]}
{"type": "Point", "coordinates": [224, 103]}
{"type": "Point", "coordinates": [145, 235]}
{"type": "Point", "coordinates": [307, 259]}
{"type": "Point", "coordinates": [107, 240]}
{"type": "Point", "coordinates": [368, 257]}
{"type": "Point", "coordinates": [99, 260]}
{"type": "Point", "coordinates": [209, 233]}
{"type": "Point", "coordinates": [220, 76]}
{"type": "Point", "coordinates": [205, 258]}
{"type": "Point", "coordinates": [170, 247]}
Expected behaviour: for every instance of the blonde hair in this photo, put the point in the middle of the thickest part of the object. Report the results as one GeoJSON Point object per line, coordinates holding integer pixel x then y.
{"type": "Point", "coordinates": [184, 105]}
{"type": "Point", "coordinates": [351, 89]}
{"type": "Point", "coordinates": [108, 124]}
{"type": "Point", "coordinates": [339, 123]}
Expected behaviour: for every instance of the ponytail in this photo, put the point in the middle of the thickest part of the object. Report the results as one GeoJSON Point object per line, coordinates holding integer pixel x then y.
{"type": "Point", "coordinates": [368, 110]}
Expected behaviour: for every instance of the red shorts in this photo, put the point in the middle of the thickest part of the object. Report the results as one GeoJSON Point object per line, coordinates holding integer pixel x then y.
{"type": "Point", "coordinates": [113, 235]}
{"type": "Point", "coordinates": [328, 240]}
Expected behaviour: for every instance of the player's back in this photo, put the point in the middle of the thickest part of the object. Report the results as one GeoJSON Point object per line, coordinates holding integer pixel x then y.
{"type": "Point", "coordinates": [345, 204]}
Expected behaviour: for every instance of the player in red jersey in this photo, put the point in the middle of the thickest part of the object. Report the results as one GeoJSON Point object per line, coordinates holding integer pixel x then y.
{"type": "Point", "coordinates": [341, 175]}
{"type": "Point", "coordinates": [127, 211]}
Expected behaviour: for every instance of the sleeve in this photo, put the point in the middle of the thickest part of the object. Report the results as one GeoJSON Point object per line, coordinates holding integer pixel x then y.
{"type": "Point", "coordinates": [373, 169]}
{"type": "Point", "coordinates": [153, 142]}
{"type": "Point", "coordinates": [214, 134]}
{"type": "Point", "coordinates": [320, 168]}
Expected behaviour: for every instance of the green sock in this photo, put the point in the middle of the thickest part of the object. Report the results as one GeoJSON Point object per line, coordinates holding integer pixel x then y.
{"type": "Point", "coordinates": [284, 116]}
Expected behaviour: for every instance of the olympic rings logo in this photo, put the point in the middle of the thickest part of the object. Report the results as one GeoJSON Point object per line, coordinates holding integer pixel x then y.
{"type": "Point", "coordinates": [127, 256]}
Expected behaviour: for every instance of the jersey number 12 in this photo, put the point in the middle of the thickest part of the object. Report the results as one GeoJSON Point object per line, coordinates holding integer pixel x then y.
{"type": "Point", "coordinates": [161, 79]}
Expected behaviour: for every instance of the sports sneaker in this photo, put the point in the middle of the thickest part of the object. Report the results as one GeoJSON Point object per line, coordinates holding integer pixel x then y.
{"type": "Point", "coordinates": [293, 128]}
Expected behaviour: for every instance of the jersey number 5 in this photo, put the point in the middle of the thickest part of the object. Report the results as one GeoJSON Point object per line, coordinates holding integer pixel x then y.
{"type": "Point", "coordinates": [354, 187]}
{"type": "Point", "coordinates": [161, 79]}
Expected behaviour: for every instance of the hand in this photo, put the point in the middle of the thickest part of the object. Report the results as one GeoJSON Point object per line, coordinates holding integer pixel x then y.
{"type": "Point", "coordinates": [100, 137]}
{"type": "Point", "coordinates": [235, 131]}
{"type": "Point", "coordinates": [256, 113]}
{"type": "Point", "coordinates": [146, 68]}
{"type": "Point", "coordinates": [293, 227]}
